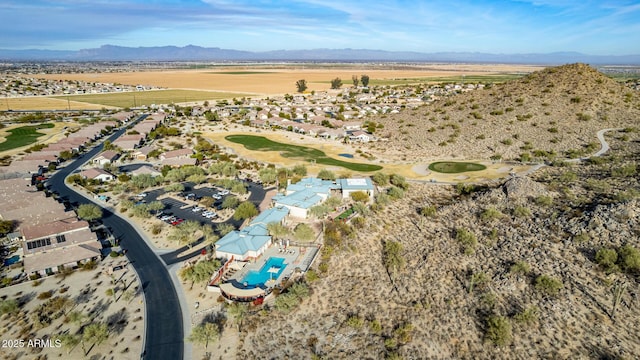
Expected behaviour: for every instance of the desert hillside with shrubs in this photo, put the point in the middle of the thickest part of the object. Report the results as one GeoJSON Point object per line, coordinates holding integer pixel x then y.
{"type": "Point", "coordinates": [544, 266]}
{"type": "Point", "coordinates": [551, 113]}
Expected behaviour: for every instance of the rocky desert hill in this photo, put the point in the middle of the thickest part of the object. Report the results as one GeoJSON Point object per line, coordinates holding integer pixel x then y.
{"type": "Point", "coordinates": [553, 112]}
{"type": "Point", "coordinates": [544, 266]}
{"type": "Point", "coordinates": [540, 267]}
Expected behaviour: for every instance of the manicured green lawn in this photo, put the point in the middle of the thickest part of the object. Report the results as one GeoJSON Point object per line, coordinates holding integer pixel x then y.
{"type": "Point", "coordinates": [139, 98]}
{"type": "Point", "coordinates": [452, 167]}
{"type": "Point", "coordinates": [260, 143]}
{"type": "Point", "coordinates": [345, 214]}
{"type": "Point", "coordinates": [23, 136]}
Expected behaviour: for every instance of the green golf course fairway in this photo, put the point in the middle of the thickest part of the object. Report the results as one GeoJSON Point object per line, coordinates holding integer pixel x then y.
{"type": "Point", "coordinates": [260, 143]}
{"type": "Point", "coordinates": [452, 167]}
{"type": "Point", "coordinates": [22, 136]}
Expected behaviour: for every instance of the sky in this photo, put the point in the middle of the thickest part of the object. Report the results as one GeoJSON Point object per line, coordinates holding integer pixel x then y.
{"type": "Point", "coordinates": [599, 27]}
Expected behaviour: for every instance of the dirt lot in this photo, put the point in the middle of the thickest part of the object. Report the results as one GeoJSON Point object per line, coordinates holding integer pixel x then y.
{"type": "Point", "coordinates": [270, 81]}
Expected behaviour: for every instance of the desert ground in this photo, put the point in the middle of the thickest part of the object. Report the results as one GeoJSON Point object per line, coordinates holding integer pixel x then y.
{"type": "Point", "coordinates": [269, 81]}
{"type": "Point", "coordinates": [86, 290]}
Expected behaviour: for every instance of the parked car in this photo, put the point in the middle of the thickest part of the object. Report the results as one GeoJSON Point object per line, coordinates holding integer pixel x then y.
{"type": "Point", "coordinates": [216, 196]}
{"type": "Point", "coordinates": [196, 209]}
{"type": "Point", "coordinates": [224, 192]}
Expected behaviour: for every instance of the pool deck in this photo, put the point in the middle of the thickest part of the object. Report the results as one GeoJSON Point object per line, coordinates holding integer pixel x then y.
{"type": "Point", "coordinates": [295, 257]}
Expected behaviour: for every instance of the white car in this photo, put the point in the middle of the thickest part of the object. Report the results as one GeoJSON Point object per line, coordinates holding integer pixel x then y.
{"type": "Point", "coordinates": [142, 195]}
{"type": "Point", "coordinates": [216, 196]}
{"type": "Point", "coordinates": [196, 209]}
{"type": "Point", "coordinates": [224, 192]}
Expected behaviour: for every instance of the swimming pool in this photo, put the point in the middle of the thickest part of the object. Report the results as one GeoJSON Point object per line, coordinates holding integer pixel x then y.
{"type": "Point", "coordinates": [270, 270]}
{"type": "Point", "coordinates": [12, 260]}
{"type": "Point", "coordinates": [350, 156]}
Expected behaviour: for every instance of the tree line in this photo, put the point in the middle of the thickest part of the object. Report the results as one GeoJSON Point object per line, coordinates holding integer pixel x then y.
{"type": "Point", "coordinates": [336, 83]}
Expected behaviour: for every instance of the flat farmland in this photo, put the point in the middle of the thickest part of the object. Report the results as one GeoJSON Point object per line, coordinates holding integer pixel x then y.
{"type": "Point", "coordinates": [262, 80]}
{"type": "Point", "coordinates": [46, 103]}
{"type": "Point", "coordinates": [138, 98]}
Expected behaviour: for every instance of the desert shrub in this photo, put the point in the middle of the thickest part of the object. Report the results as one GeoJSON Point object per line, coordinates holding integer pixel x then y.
{"type": "Point", "coordinates": [520, 268]}
{"type": "Point", "coordinates": [490, 213]}
{"type": "Point", "coordinates": [429, 211]}
{"type": "Point", "coordinates": [624, 171]}
{"type": "Point", "coordinates": [113, 254]}
{"type": "Point", "coordinates": [544, 200]}
{"type": "Point", "coordinates": [607, 258]}
{"type": "Point", "coordinates": [355, 321]}
{"type": "Point", "coordinates": [311, 275]}
{"type": "Point", "coordinates": [498, 330]}
{"type": "Point", "coordinates": [548, 285]}
{"type": "Point", "coordinates": [467, 240]}
{"type": "Point", "coordinates": [156, 229]}
{"type": "Point", "coordinates": [45, 295]}
{"type": "Point", "coordinates": [528, 316]}
{"type": "Point", "coordinates": [522, 211]}
{"type": "Point", "coordinates": [624, 196]}
{"type": "Point", "coordinates": [629, 258]}
{"type": "Point", "coordinates": [395, 193]}
{"type": "Point", "coordinates": [380, 179]}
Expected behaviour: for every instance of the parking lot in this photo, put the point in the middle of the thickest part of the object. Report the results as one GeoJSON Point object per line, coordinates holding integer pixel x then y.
{"type": "Point", "coordinates": [176, 211]}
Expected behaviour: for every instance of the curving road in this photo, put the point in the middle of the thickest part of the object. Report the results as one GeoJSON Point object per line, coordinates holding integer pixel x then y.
{"type": "Point", "coordinates": [164, 332]}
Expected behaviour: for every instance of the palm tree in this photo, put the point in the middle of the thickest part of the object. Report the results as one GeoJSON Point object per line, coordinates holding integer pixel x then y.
{"type": "Point", "coordinates": [238, 312]}
{"type": "Point", "coordinates": [303, 232]}
{"type": "Point", "coordinates": [209, 235]}
{"type": "Point", "coordinates": [76, 317]}
{"type": "Point", "coordinates": [204, 333]}
{"type": "Point", "coordinates": [96, 332]}
{"type": "Point", "coordinates": [188, 274]}
{"type": "Point", "coordinates": [69, 341]}
{"type": "Point", "coordinates": [111, 292]}
{"type": "Point", "coordinates": [277, 230]}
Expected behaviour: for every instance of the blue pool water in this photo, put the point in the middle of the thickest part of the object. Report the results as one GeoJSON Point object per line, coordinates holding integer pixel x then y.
{"type": "Point", "coordinates": [256, 278]}
{"type": "Point", "coordinates": [350, 156]}
{"type": "Point", "coordinates": [12, 260]}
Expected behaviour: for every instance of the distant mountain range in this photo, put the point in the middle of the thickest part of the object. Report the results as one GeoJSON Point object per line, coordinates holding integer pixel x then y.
{"type": "Point", "coordinates": [198, 53]}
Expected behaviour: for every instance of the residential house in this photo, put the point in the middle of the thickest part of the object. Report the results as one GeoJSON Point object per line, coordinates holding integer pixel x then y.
{"type": "Point", "coordinates": [105, 157]}
{"type": "Point", "coordinates": [349, 186]}
{"type": "Point", "coordinates": [305, 194]}
{"type": "Point", "coordinates": [179, 153]}
{"type": "Point", "coordinates": [361, 136]}
{"type": "Point", "coordinates": [129, 142]}
{"type": "Point", "coordinates": [142, 153]}
{"type": "Point", "coordinates": [64, 243]}
{"type": "Point", "coordinates": [254, 239]}
{"type": "Point", "coordinates": [97, 174]}
{"type": "Point", "coordinates": [145, 169]}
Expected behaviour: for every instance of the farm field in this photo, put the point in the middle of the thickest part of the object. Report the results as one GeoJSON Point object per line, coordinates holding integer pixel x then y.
{"type": "Point", "coordinates": [46, 103]}
{"type": "Point", "coordinates": [271, 80]}
{"type": "Point", "coordinates": [138, 98]}
{"type": "Point", "coordinates": [22, 136]}
{"type": "Point", "coordinates": [260, 143]}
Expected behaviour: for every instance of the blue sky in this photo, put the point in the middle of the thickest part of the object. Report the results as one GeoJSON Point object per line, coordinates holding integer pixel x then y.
{"type": "Point", "coordinates": [601, 27]}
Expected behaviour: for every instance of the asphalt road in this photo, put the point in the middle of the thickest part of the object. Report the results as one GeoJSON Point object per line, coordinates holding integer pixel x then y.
{"type": "Point", "coordinates": [164, 328]}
